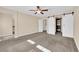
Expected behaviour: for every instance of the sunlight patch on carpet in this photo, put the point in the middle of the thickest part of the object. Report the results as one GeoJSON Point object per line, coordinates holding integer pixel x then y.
{"type": "Point", "coordinates": [30, 41]}
{"type": "Point", "coordinates": [43, 48]}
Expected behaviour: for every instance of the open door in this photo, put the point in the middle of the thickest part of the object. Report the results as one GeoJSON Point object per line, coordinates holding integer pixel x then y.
{"type": "Point", "coordinates": [67, 25]}
{"type": "Point", "coordinates": [40, 25]}
{"type": "Point", "coordinates": [51, 27]}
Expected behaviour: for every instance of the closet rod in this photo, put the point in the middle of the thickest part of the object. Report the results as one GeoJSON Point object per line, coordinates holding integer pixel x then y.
{"type": "Point", "coordinates": [61, 14]}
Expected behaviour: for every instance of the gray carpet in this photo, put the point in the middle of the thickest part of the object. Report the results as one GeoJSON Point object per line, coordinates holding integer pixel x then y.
{"type": "Point", "coordinates": [54, 43]}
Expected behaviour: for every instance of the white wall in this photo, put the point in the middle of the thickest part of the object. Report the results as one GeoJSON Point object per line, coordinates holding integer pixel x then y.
{"type": "Point", "coordinates": [5, 25]}
{"type": "Point", "coordinates": [24, 24]}
{"type": "Point", "coordinates": [67, 25]}
{"type": "Point", "coordinates": [76, 27]}
{"type": "Point", "coordinates": [27, 24]}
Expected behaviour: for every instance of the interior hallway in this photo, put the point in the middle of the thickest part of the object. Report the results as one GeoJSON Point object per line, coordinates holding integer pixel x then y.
{"type": "Point", "coordinates": [50, 42]}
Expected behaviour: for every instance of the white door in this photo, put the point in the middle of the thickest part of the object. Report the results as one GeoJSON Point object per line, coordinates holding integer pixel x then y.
{"type": "Point", "coordinates": [40, 25]}
{"type": "Point", "coordinates": [67, 25]}
{"type": "Point", "coordinates": [51, 25]}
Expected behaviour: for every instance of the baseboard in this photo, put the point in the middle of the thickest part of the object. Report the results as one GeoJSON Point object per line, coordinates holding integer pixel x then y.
{"type": "Point", "coordinates": [76, 45]}
{"type": "Point", "coordinates": [16, 36]}
{"type": "Point", "coordinates": [5, 35]}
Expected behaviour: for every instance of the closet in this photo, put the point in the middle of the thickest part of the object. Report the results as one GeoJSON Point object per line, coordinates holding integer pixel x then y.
{"type": "Point", "coordinates": [67, 25]}
{"type": "Point", "coordinates": [54, 25]}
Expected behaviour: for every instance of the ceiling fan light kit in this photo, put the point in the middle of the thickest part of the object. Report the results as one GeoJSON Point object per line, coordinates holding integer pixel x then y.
{"type": "Point", "coordinates": [39, 10]}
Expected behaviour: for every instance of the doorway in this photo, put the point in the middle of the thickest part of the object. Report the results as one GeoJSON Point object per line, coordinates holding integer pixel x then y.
{"type": "Point", "coordinates": [44, 25]}
{"type": "Point", "coordinates": [58, 26]}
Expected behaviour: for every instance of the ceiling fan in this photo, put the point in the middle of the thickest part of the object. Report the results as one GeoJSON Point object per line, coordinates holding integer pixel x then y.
{"type": "Point", "coordinates": [39, 10]}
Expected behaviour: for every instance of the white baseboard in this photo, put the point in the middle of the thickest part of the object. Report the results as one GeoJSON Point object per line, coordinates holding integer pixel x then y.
{"type": "Point", "coordinates": [5, 35]}
{"type": "Point", "coordinates": [16, 36]}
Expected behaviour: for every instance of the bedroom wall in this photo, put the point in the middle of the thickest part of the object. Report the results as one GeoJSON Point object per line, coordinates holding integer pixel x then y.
{"type": "Point", "coordinates": [24, 24]}
{"type": "Point", "coordinates": [5, 25]}
{"type": "Point", "coordinates": [76, 27]}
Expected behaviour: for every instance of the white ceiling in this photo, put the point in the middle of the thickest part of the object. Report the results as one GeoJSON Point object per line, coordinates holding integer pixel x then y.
{"type": "Point", "coordinates": [52, 10]}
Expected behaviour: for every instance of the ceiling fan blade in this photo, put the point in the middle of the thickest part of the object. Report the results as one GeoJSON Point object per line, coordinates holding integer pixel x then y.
{"type": "Point", "coordinates": [45, 10]}
{"type": "Point", "coordinates": [31, 10]}
{"type": "Point", "coordinates": [41, 12]}
{"type": "Point", "coordinates": [38, 10]}
{"type": "Point", "coordinates": [35, 12]}
{"type": "Point", "coordinates": [38, 7]}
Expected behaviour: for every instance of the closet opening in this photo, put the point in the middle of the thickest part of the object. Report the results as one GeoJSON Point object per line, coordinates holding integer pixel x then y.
{"type": "Point", "coordinates": [44, 25]}
{"type": "Point", "coordinates": [58, 26]}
